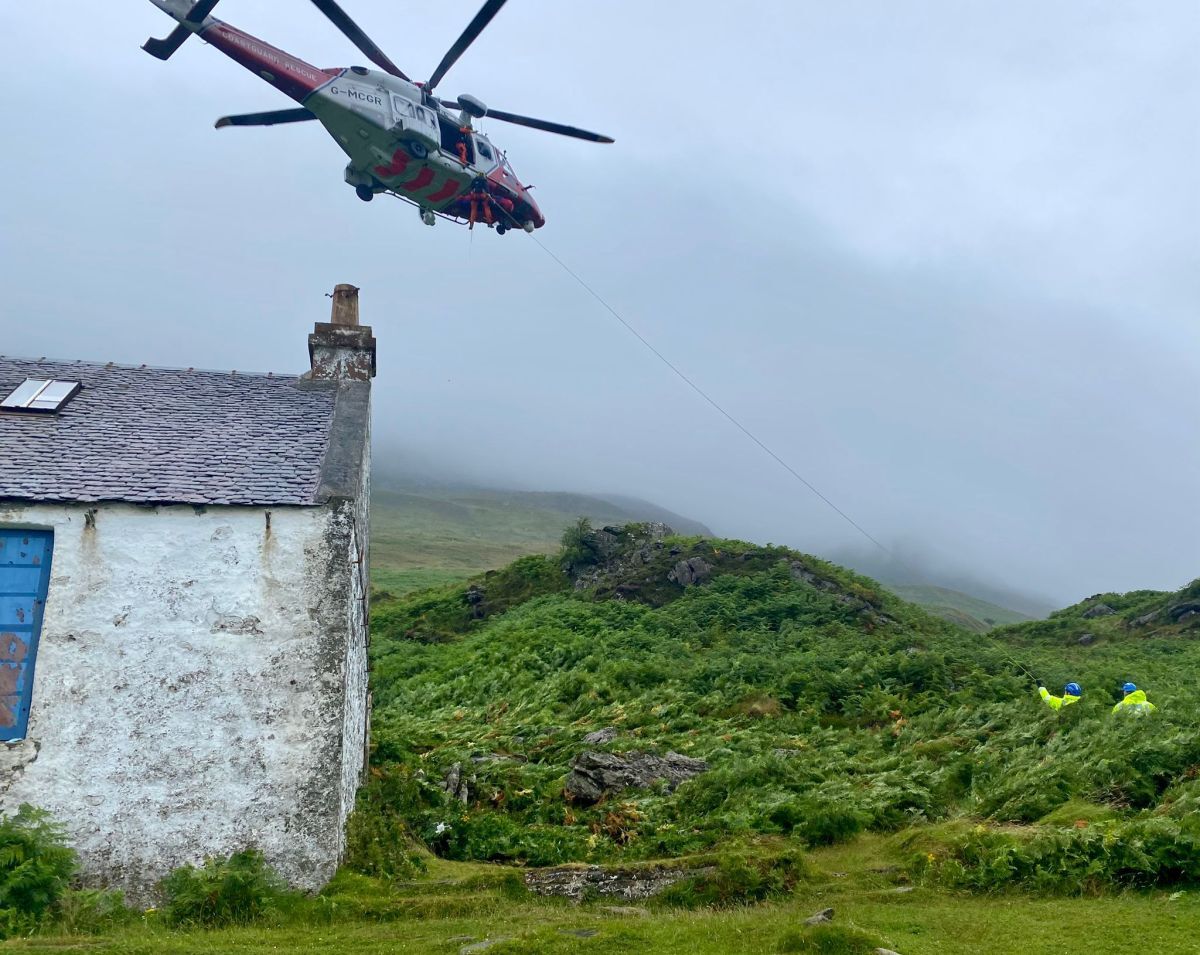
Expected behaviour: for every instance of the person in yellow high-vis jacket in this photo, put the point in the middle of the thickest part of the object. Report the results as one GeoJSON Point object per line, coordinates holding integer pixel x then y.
{"type": "Point", "coordinates": [1134, 701]}
{"type": "Point", "coordinates": [1071, 694]}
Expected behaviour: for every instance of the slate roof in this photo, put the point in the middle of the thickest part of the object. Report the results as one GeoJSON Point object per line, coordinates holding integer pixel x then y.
{"type": "Point", "coordinates": [166, 435]}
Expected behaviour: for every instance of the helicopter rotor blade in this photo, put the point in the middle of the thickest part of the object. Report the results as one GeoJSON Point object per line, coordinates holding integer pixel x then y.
{"type": "Point", "coordinates": [474, 28]}
{"type": "Point", "coordinates": [266, 119]}
{"type": "Point", "coordinates": [547, 126]}
{"type": "Point", "coordinates": [354, 33]}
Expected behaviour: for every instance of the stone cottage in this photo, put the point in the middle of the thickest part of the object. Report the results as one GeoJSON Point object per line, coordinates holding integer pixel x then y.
{"type": "Point", "coordinates": [183, 605]}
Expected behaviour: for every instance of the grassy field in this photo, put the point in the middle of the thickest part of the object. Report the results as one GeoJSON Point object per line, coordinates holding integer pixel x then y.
{"type": "Point", "coordinates": [450, 910]}
{"type": "Point", "coordinates": [969, 612]}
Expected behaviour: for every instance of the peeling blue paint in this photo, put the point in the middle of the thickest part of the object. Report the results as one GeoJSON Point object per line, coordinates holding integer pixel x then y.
{"type": "Point", "coordinates": [24, 582]}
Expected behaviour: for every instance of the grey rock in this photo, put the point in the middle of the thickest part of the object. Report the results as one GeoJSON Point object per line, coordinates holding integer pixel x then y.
{"type": "Point", "coordinates": [457, 785]}
{"type": "Point", "coordinates": [482, 946]}
{"type": "Point", "coordinates": [602, 736]}
{"type": "Point", "coordinates": [820, 918]}
{"type": "Point", "coordinates": [688, 572]}
{"type": "Point", "coordinates": [1145, 619]}
{"type": "Point", "coordinates": [481, 758]}
{"type": "Point", "coordinates": [582, 882]}
{"type": "Point", "coordinates": [1184, 611]}
{"type": "Point", "coordinates": [594, 774]}
{"type": "Point", "coordinates": [1098, 610]}
{"type": "Point", "coordinates": [627, 910]}
{"type": "Point", "coordinates": [1087, 640]}
{"type": "Point", "coordinates": [618, 550]}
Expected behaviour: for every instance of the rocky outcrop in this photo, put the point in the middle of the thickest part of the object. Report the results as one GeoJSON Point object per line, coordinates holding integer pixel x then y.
{"type": "Point", "coordinates": [865, 607]}
{"type": "Point", "coordinates": [1188, 610]}
{"type": "Point", "coordinates": [578, 883]}
{"type": "Point", "coordinates": [601, 736]}
{"type": "Point", "coordinates": [1098, 610]}
{"type": "Point", "coordinates": [594, 775]}
{"type": "Point", "coordinates": [457, 784]}
{"type": "Point", "coordinates": [620, 552]}
{"type": "Point", "coordinates": [696, 570]}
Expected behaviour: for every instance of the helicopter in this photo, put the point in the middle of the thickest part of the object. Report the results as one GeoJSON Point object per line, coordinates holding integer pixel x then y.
{"type": "Point", "coordinates": [401, 139]}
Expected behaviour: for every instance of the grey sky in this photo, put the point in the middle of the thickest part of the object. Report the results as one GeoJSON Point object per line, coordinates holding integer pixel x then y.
{"type": "Point", "coordinates": [942, 256]}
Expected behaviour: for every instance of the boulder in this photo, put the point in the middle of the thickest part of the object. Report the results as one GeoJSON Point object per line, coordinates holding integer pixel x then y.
{"type": "Point", "coordinates": [484, 945]}
{"type": "Point", "coordinates": [600, 737]}
{"type": "Point", "coordinates": [820, 918]}
{"type": "Point", "coordinates": [594, 775]}
{"type": "Point", "coordinates": [1184, 611]}
{"type": "Point", "coordinates": [1086, 640]}
{"type": "Point", "coordinates": [1145, 619]}
{"type": "Point", "coordinates": [457, 784]}
{"type": "Point", "coordinates": [627, 910]}
{"type": "Point", "coordinates": [696, 570]}
{"type": "Point", "coordinates": [1098, 610]}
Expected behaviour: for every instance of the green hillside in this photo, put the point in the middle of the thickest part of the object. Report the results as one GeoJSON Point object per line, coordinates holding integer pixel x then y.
{"type": "Point", "coordinates": [821, 706]}
{"type": "Point", "coordinates": [967, 611]}
{"type": "Point", "coordinates": [424, 535]}
{"type": "Point", "coordinates": [814, 744]}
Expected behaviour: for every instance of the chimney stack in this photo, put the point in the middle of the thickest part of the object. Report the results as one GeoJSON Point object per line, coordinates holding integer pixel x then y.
{"type": "Point", "coordinates": [341, 349]}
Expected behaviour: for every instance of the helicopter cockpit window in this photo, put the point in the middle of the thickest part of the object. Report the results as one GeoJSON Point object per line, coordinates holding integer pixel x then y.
{"type": "Point", "coordinates": [485, 149]}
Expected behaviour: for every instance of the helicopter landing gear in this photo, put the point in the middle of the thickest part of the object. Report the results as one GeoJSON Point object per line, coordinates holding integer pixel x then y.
{"type": "Point", "coordinates": [364, 192]}
{"type": "Point", "coordinates": [501, 228]}
{"type": "Point", "coordinates": [428, 217]}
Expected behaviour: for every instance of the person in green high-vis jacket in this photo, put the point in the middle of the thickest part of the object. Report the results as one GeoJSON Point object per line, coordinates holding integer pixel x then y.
{"type": "Point", "coordinates": [1071, 694]}
{"type": "Point", "coordinates": [1134, 701]}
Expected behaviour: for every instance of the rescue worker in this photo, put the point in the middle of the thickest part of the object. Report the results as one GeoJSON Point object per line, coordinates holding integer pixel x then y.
{"type": "Point", "coordinates": [1071, 694]}
{"type": "Point", "coordinates": [1134, 701]}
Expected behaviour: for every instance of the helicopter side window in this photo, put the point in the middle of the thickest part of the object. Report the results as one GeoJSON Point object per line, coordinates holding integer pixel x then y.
{"type": "Point", "coordinates": [457, 143]}
{"type": "Point", "coordinates": [485, 149]}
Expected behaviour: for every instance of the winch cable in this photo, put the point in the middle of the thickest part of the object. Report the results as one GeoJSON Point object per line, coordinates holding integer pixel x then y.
{"type": "Point", "coordinates": [703, 394]}
{"type": "Point", "coordinates": [741, 427]}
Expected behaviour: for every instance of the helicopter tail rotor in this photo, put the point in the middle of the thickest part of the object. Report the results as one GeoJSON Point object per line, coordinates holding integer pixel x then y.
{"type": "Point", "coordinates": [189, 23]}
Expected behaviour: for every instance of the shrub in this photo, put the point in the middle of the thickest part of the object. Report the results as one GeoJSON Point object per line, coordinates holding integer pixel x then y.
{"type": "Point", "coordinates": [378, 840]}
{"type": "Point", "coordinates": [91, 911]}
{"type": "Point", "coordinates": [234, 891]}
{"type": "Point", "coordinates": [1139, 852]}
{"type": "Point", "coordinates": [739, 879]}
{"type": "Point", "coordinates": [579, 546]}
{"type": "Point", "coordinates": [36, 866]}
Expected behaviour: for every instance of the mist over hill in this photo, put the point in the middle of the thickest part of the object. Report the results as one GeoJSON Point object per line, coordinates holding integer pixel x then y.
{"type": "Point", "coordinates": [435, 526]}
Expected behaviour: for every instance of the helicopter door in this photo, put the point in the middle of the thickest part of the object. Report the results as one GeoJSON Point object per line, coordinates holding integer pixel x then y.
{"type": "Point", "coordinates": [413, 118]}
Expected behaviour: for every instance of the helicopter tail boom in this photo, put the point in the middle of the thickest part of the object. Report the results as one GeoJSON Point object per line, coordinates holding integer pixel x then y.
{"type": "Point", "coordinates": [285, 72]}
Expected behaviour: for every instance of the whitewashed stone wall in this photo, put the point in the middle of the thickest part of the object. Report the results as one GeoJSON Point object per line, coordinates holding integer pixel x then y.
{"type": "Point", "coordinates": [200, 686]}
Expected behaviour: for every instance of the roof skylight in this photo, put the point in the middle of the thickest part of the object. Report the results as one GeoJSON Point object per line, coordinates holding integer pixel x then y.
{"type": "Point", "coordinates": [40, 394]}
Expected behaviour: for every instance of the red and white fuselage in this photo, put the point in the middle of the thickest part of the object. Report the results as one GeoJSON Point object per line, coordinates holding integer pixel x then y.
{"type": "Point", "coordinates": [397, 141]}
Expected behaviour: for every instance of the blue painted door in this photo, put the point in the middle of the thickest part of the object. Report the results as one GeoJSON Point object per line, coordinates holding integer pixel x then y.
{"type": "Point", "coordinates": [24, 579]}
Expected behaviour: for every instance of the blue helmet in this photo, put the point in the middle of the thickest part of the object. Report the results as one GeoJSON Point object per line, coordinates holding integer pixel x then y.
{"type": "Point", "coordinates": [1073, 689]}
{"type": "Point", "coordinates": [1129, 688]}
